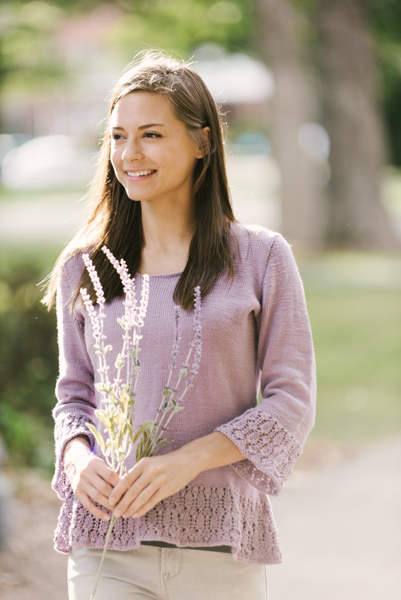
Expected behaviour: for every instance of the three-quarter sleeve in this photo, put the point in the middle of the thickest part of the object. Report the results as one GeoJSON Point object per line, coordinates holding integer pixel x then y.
{"type": "Point", "coordinates": [271, 435]}
{"type": "Point", "coordinates": [75, 385]}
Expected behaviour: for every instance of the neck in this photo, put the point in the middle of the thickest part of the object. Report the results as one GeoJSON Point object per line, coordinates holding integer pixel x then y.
{"type": "Point", "coordinates": [166, 227]}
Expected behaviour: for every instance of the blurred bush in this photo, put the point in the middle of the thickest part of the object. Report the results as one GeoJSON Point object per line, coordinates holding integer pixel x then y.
{"type": "Point", "coordinates": [28, 360]}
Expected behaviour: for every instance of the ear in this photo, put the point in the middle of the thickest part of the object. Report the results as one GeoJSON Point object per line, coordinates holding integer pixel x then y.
{"type": "Point", "coordinates": [206, 135]}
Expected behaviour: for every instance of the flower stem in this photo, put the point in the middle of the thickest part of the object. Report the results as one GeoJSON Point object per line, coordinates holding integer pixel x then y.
{"type": "Point", "coordinates": [106, 544]}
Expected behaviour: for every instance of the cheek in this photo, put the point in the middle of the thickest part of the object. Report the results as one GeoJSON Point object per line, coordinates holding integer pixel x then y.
{"type": "Point", "coordinates": [181, 160]}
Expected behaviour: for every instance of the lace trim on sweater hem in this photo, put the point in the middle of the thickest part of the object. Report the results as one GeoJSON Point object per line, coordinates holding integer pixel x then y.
{"type": "Point", "coordinates": [271, 451]}
{"type": "Point", "coordinates": [66, 429]}
{"type": "Point", "coordinates": [195, 516]}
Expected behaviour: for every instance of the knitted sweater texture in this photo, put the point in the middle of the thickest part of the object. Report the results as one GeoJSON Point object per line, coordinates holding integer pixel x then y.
{"type": "Point", "coordinates": [256, 334]}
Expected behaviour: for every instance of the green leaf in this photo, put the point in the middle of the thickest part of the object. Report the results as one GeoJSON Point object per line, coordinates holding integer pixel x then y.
{"type": "Point", "coordinates": [102, 415]}
{"type": "Point", "coordinates": [97, 435]}
{"type": "Point", "coordinates": [107, 452]}
{"type": "Point", "coordinates": [103, 388]}
{"type": "Point", "coordinates": [138, 454]}
{"type": "Point", "coordinates": [149, 425]}
{"type": "Point", "coordinates": [158, 447]}
{"type": "Point", "coordinates": [120, 362]}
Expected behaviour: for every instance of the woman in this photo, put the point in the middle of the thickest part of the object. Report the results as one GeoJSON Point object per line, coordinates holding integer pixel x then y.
{"type": "Point", "coordinates": [195, 520]}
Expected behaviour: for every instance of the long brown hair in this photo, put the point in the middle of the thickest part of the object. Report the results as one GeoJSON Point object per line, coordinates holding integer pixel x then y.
{"type": "Point", "coordinates": [115, 220]}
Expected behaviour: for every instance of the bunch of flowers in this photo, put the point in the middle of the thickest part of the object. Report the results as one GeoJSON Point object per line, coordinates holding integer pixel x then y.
{"type": "Point", "coordinates": [118, 396]}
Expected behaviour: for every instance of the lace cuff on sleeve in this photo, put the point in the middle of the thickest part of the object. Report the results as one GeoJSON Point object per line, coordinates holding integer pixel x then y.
{"type": "Point", "coordinates": [270, 450]}
{"type": "Point", "coordinates": [67, 428]}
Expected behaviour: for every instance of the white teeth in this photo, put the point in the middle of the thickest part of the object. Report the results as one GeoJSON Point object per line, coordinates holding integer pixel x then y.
{"type": "Point", "coordinates": [138, 173]}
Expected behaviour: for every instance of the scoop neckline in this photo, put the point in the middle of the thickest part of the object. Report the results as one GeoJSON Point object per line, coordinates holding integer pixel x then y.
{"type": "Point", "coordinates": [162, 274]}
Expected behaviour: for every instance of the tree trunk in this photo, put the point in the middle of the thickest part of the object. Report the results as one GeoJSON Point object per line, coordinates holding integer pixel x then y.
{"type": "Point", "coordinates": [302, 192]}
{"type": "Point", "coordinates": [353, 120]}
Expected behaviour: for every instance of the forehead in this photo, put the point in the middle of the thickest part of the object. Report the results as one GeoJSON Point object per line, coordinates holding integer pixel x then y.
{"type": "Point", "coordinates": [137, 108]}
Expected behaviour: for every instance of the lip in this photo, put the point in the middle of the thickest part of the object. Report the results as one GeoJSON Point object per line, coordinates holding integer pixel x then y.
{"type": "Point", "coordinates": [131, 175]}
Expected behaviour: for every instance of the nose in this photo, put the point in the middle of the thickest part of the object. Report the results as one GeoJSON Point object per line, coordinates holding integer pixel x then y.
{"type": "Point", "coordinates": [132, 151]}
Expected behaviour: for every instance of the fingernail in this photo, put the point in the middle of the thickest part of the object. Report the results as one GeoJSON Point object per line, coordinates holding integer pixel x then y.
{"type": "Point", "coordinates": [118, 513]}
{"type": "Point", "coordinates": [106, 517]}
{"type": "Point", "coordinates": [111, 500]}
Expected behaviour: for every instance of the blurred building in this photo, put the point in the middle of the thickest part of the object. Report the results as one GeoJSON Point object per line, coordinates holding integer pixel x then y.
{"type": "Point", "coordinates": [76, 103]}
{"type": "Point", "coordinates": [242, 85]}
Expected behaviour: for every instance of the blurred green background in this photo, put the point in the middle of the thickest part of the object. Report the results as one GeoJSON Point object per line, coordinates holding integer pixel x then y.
{"type": "Point", "coordinates": [311, 91]}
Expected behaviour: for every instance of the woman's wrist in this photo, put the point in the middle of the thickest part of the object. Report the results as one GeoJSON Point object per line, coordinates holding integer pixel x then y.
{"type": "Point", "coordinates": [212, 451]}
{"type": "Point", "coordinates": [71, 467]}
{"type": "Point", "coordinates": [75, 449]}
{"type": "Point", "coordinates": [78, 446]}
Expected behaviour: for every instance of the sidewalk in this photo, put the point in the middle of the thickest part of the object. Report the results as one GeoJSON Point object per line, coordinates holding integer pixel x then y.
{"type": "Point", "coordinates": [29, 567]}
{"type": "Point", "coordinates": [340, 531]}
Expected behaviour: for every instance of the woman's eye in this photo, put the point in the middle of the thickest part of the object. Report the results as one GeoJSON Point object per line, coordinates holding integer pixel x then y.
{"type": "Point", "coordinates": [151, 135]}
{"type": "Point", "coordinates": [116, 136]}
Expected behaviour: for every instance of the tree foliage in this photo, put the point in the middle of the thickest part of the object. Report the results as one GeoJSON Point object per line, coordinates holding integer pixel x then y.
{"type": "Point", "coordinates": [181, 26]}
{"type": "Point", "coordinates": [27, 52]}
{"type": "Point", "coordinates": [386, 23]}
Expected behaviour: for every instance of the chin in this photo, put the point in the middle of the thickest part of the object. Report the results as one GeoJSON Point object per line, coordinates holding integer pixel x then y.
{"type": "Point", "coordinates": [130, 195]}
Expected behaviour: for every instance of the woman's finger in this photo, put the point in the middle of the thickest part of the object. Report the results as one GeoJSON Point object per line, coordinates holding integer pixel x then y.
{"type": "Point", "coordinates": [149, 472]}
{"type": "Point", "coordinates": [151, 503]}
{"type": "Point", "coordinates": [134, 500]}
{"type": "Point", "coordinates": [95, 464]}
{"type": "Point", "coordinates": [89, 486]}
{"type": "Point", "coordinates": [97, 481]}
{"type": "Point", "coordinates": [92, 480]}
{"type": "Point", "coordinates": [92, 508]}
{"type": "Point", "coordinates": [131, 495]}
{"type": "Point", "coordinates": [97, 496]}
{"type": "Point", "coordinates": [125, 484]}
{"type": "Point", "coordinates": [108, 474]}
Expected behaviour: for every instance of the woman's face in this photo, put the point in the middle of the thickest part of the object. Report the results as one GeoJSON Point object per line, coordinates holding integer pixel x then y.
{"type": "Point", "coordinates": [151, 152]}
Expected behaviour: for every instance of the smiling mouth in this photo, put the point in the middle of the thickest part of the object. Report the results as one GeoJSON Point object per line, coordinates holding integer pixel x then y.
{"type": "Point", "coordinates": [140, 173]}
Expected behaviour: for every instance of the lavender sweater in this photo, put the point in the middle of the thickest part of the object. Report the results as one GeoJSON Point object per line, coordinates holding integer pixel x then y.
{"type": "Point", "coordinates": [255, 333]}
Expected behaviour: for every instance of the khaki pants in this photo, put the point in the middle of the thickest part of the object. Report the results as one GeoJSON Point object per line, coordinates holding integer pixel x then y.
{"type": "Point", "coordinates": [152, 573]}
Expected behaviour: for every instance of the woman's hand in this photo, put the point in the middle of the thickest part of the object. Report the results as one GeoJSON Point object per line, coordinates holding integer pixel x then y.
{"type": "Point", "coordinates": [151, 480]}
{"type": "Point", "coordinates": [155, 478]}
{"type": "Point", "coordinates": [91, 479]}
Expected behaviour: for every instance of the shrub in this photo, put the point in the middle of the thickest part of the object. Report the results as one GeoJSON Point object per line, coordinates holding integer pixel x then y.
{"type": "Point", "coordinates": [28, 357]}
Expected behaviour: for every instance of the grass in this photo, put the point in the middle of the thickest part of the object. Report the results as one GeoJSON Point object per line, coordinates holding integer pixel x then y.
{"type": "Point", "coordinates": [44, 256]}
{"type": "Point", "coordinates": [357, 337]}
{"type": "Point", "coordinates": [50, 195]}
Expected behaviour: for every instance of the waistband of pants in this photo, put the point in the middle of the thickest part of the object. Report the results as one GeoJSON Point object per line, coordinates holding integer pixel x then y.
{"type": "Point", "coordinates": [166, 545]}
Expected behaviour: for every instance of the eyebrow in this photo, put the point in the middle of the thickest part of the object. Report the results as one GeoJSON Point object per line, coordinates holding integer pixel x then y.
{"type": "Point", "coordinates": [142, 126]}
